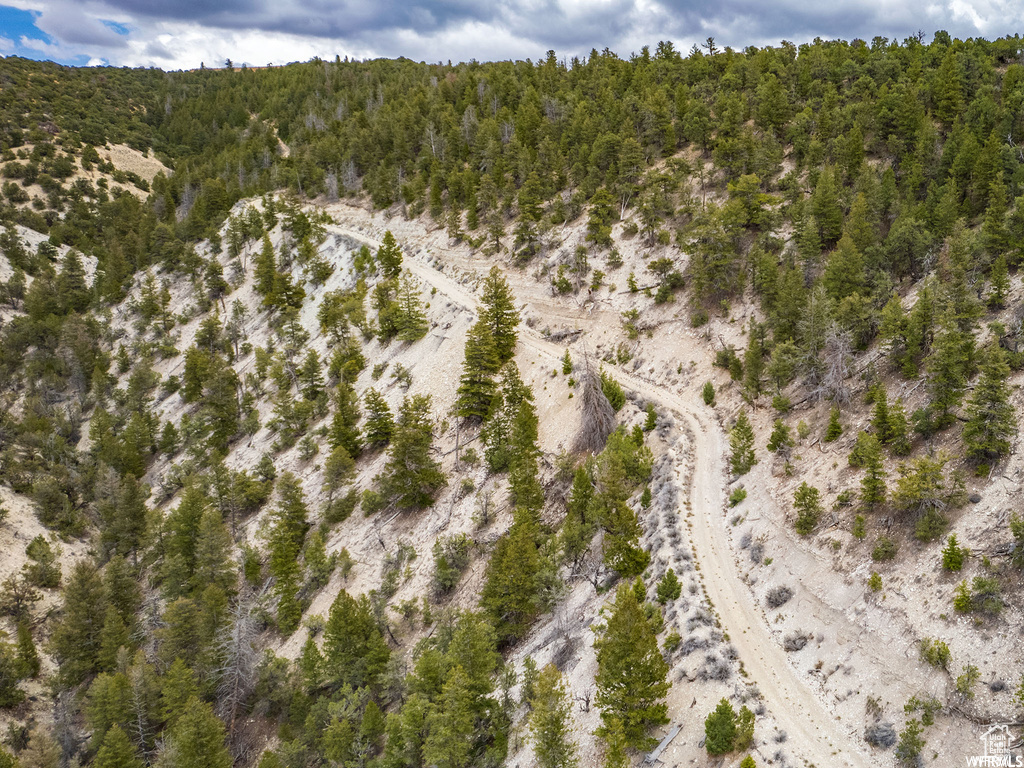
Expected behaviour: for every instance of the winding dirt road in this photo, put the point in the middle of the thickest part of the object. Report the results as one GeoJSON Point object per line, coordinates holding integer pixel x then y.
{"type": "Point", "coordinates": [813, 734]}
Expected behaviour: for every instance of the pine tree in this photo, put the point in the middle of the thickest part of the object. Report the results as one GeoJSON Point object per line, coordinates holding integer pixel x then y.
{"type": "Point", "coordinates": [835, 427]}
{"type": "Point", "coordinates": [999, 283]}
{"type": "Point", "coordinates": [899, 429]}
{"type": "Point", "coordinates": [354, 650]}
{"type": "Point", "coordinates": [500, 314]}
{"type": "Point", "coordinates": [947, 373]}
{"type": "Point", "coordinates": [741, 441]}
{"type": "Point", "coordinates": [117, 751]}
{"type": "Point", "coordinates": [310, 376]}
{"type": "Point", "coordinates": [10, 674]}
{"type": "Point", "coordinates": [411, 320]}
{"type": "Point", "coordinates": [286, 540]}
{"type": "Point", "coordinates": [177, 688]}
{"type": "Point", "coordinates": [76, 639]}
{"type": "Point", "coordinates": [509, 594]}
{"type": "Point", "coordinates": [669, 588]}
{"type": "Point", "coordinates": [27, 655]}
{"type": "Point", "coordinates": [197, 739]}
{"type": "Point", "coordinates": [807, 503]}
{"type": "Point", "coordinates": [880, 414]}
{"type": "Point", "coordinates": [411, 476]}
{"type": "Point", "coordinates": [632, 676]}
{"type": "Point", "coordinates": [550, 722]}
{"type": "Point", "coordinates": [451, 725]}
{"type": "Point", "coordinates": [780, 439]}
{"type": "Point", "coordinates": [344, 429]}
{"type": "Point", "coordinates": [380, 425]}
{"type": "Point", "coordinates": [266, 272]}
{"type": "Point", "coordinates": [720, 729]}
{"type": "Point", "coordinates": [526, 492]}
{"type": "Point", "coordinates": [953, 555]}
{"type": "Point", "coordinates": [872, 485]}
{"type": "Point", "coordinates": [615, 746]}
{"type": "Point", "coordinates": [477, 387]}
{"type": "Point", "coordinates": [991, 419]}
{"type": "Point", "coordinates": [389, 257]}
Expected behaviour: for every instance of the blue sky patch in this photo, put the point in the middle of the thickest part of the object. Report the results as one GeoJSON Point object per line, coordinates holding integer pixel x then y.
{"type": "Point", "coordinates": [16, 24]}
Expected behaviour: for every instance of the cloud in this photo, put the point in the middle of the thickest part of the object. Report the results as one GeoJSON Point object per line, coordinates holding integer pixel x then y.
{"type": "Point", "coordinates": [183, 33]}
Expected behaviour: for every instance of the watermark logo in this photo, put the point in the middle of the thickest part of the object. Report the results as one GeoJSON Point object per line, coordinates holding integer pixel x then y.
{"type": "Point", "coordinates": [1000, 749]}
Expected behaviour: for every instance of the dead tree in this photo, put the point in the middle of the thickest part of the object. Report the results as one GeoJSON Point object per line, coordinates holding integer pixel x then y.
{"type": "Point", "coordinates": [598, 415]}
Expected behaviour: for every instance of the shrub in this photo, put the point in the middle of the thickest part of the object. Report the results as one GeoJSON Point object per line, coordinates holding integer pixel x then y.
{"type": "Point", "coordinates": [778, 596]}
{"type": "Point", "coordinates": [885, 549]}
{"type": "Point", "coordinates": [738, 495]}
{"type": "Point", "coordinates": [875, 582]}
{"type": "Point", "coordinates": [935, 652]}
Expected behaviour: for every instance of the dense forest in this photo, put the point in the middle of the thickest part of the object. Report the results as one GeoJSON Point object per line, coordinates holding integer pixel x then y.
{"type": "Point", "coordinates": [869, 197]}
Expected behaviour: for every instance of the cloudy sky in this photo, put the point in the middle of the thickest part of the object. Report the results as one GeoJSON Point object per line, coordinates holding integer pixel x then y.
{"type": "Point", "coordinates": [175, 34]}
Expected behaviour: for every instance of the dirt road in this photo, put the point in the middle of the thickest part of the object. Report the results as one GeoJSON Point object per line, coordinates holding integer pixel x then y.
{"type": "Point", "coordinates": [813, 734]}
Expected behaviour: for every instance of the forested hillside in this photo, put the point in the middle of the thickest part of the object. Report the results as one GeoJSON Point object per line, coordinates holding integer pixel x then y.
{"type": "Point", "coordinates": [280, 488]}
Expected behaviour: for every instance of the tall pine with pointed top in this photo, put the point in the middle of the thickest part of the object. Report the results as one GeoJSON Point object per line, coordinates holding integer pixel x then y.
{"type": "Point", "coordinates": [632, 676]}
{"type": "Point", "coordinates": [389, 257]}
{"type": "Point", "coordinates": [991, 420]}
{"type": "Point", "coordinates": [741, 442]}
{"type": "Point", "coordinates": [477, 386]}
{"type": "Point", "coordinates": [411, 476]}
{"type": "Point", "coordinates": [500, 313]}
{"type": "Point", "coordinates": [550, 722]}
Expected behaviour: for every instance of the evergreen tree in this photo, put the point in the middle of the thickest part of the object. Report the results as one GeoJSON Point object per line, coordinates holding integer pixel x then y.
{"type": "Point", "coordinates": [999, 283]}
{"type": "Point", "coordinates": [27, 655]}
{"type": "Point", "coordinates": [380, 425]}
{"type": "Point", "coordinates": [953, 555]}
{"type": "Point", "coordinates": [632, 676]}
{"type": "Point", "coordinates": [741, 441]}
{"type": "Point", "coordinates": [780, 439]}
{"type": "Point", "coordinates": [550, 722]}
{"type": "Point", "coordinates": [10, 674]}
{"type": "Point", "coordinates": [310, 376]}
{"type": "Point", "coordinates": [872, 485]}
{"type": "Point", "coordinates": [286, 540]}
{"type": "Point", "coordinates": [411, 320]}
{"type": "Point", "coordinates": [344, 429]}
{"type": "Point", "coordinates": [411, 476]}
{"type": "Point", "coordinates": [807, 503]}
{"type": "Point", "coordinates": [389, 257]}
{"type": "Point", "coordinates": [451, 725]}
{"type": "Point", "coordinates": [720, 729]}
{"type": "Point", "coordinates": [899, 429]}
{"type": "Point", "coordinates": [76, 639]}
{"type": "Point", "coordinates": [197, 739]}
{"type": "Point", "coordinates": [615, 746]}
{"type": "Point", "coordinates": [509, 594]}
{"type": "Point", "coordinates": [835, 427]}
{"type": "Point", "coordinates": [991, 419]}
{"type": "Point", "coordinates": [265, 272]}
{"type": "Point", "coordinates": [477, 387]}
{"type": "Point", "coordinates": [117, 751]}
{"type": "Point", "coordinates": [177, 688]}
{"type": "Point", "coordinates": [500, 314]}
{"type": "Point", "coordinates": [947, 372]}
{"type": "Point", "coordinates": [354, 650]}
{"type": "Point", "coordinates": [669, 588]}
{"type": "Point", "coordinates": [525, 489]}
